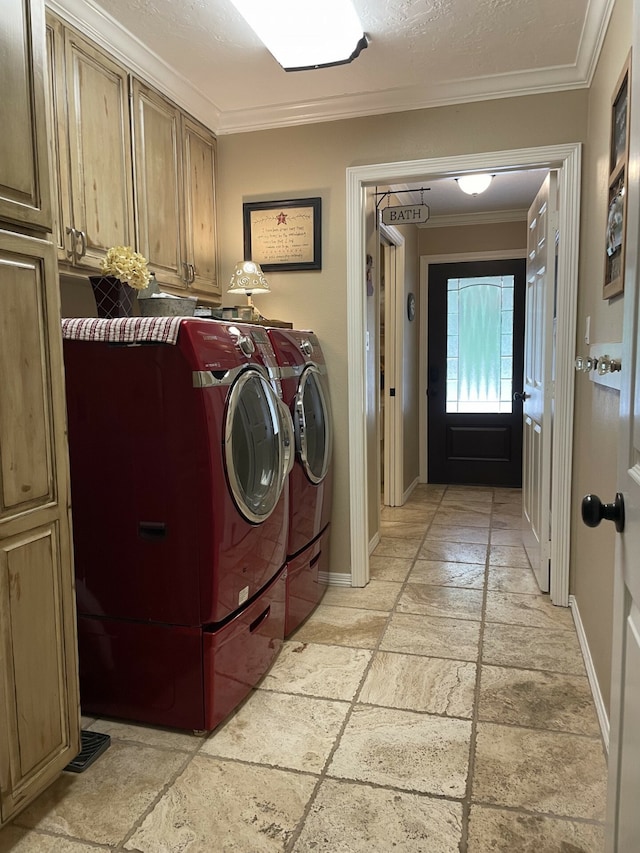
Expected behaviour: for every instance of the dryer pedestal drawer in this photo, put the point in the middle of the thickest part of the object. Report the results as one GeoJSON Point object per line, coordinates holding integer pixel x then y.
{"type": "Point", "coordinates": [304, 588]}
{"type": "Point", "coordinates": [181, 677]}
{"type": "Point", "coordinates": [239, 654]}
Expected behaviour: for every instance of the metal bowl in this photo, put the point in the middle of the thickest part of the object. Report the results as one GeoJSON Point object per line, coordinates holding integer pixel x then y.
{"type": "Point", "coordinates": [163, 306]}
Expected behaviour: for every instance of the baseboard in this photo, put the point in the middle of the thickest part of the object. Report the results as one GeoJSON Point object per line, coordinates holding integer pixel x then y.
{"type": "Point", "coordinates": [407, 494]}
{"type": "Point", "coordinates": [373, 542]}
{"type": "Point", "coordinates": [601, 711]}
{"type": "Point", "coordinates": [334, 578]}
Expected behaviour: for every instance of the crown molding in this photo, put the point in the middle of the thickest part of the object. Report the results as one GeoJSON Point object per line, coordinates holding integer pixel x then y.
{"type": "Point", "coordinates": [398, 100]}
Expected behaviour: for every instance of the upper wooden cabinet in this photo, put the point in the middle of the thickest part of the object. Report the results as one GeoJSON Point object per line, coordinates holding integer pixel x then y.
{"type": "Point", "coordinates": [175, 179]}
{"type": "Point", "coordinates": [158, 181]}
{"type": "Point", "coordinates": [24, 173]}
{"type": "Point", "coordinates": [199, 163]}
{"type": "Point", "coordinates": [89, 103]}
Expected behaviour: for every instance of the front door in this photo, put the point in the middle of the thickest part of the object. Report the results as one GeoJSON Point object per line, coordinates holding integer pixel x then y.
{"type": "Point", "coordinates": [475, 362]}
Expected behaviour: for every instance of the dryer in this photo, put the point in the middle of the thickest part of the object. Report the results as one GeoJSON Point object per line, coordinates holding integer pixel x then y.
{"type": "Point", "coordinates": [179, 455]}
{"type": "Point", "coordinates": [303, 375]}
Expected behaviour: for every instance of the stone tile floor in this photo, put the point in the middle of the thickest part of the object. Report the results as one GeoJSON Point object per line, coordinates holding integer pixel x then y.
{"type": "Point", "coordinates": [442, 709]}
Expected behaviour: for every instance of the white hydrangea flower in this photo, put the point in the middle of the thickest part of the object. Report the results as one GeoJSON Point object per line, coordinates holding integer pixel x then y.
{"type": "Point", "coordinates": [126, 265]}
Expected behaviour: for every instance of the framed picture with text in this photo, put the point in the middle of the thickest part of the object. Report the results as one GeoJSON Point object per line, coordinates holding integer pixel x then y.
{"type": "Point", "coordinates": [617, 195]}
{"type": "Point", "coordinates": [283, 235]}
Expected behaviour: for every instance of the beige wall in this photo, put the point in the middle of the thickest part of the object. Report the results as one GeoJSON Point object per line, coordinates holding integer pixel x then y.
{"type": "Point", "coordinates": [311, 160]}
{"type": "Point", "coordinates": [490, 237]}
{"type": "Point", "coordinates": [596, 407]}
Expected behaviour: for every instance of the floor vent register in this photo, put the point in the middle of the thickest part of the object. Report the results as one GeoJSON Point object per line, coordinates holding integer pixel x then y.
{"type": "Point", "coordinates": [93, 745]}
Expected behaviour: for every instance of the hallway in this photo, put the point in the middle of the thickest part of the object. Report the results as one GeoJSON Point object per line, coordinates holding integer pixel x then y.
{"type": "Point", "coordinates": [444, 708]}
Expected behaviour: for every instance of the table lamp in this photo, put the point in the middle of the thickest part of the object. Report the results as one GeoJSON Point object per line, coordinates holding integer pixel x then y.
{"type": "Point", "coordinates": [248, 278]}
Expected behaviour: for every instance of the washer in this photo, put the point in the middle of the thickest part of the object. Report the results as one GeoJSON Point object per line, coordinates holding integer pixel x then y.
{"type": "Point", "coordinates": [303, 375]}
{"type": "Point", "coordinates": [180, 457]}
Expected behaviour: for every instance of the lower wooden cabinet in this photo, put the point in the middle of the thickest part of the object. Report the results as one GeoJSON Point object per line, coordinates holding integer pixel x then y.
{"type": "Point", "coordinates": [39, 701]}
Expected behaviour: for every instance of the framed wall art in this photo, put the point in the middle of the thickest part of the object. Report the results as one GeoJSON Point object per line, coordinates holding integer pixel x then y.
{"type": "Point", "coordinates": [283, 235]}
{"type": "Point", "coordinates": [617, 192]}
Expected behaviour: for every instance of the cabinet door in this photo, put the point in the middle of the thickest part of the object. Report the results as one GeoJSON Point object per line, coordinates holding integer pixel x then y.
{"type": "Point", "coordinates": [39, 703]}
{"type": "Point", "coordinates": [24, 170]}
{"type": "Point", "coordinates": [58, 143]}
{"type": "Point", "coordinates": [200, 201]}
{"type": "Point", "coordinates": [158, 181]}
{"type": "Point", "coordinates": [99, 147]}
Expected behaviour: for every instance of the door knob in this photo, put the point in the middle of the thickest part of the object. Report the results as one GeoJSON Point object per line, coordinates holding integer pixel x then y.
{"type": "Point", "coordinates": [520, 396]}
{"type": "Point", "coordinates": [593, 511]}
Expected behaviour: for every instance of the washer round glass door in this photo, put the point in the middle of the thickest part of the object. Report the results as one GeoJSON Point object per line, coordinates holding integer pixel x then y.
{"type": "Point", "coordinates": [254, 446]}
{"type": "Point", "coordinates": [313, 425]}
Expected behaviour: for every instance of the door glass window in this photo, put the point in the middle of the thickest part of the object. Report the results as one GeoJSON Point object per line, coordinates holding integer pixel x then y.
{"type": "Point", "coordinates": [254, 462]}
{"type": "Point", "coordinates": [480, 344]}
{"type": "Point", "coordinates": [312, 427]}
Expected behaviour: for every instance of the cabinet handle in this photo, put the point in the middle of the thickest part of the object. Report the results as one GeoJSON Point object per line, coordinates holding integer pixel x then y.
{"type": "Point", "coordinates": [83, 244]}
{"type": "Point", "coordinates": [71, 253]}
{"type": "Point", "coordinates": [192, 273]}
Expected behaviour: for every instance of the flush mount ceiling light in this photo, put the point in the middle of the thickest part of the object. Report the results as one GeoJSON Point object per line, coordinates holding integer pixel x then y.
{"type": "Point", "coordinates": [474, 184]}
{"type": "Point", "coordinates": [306, 35]}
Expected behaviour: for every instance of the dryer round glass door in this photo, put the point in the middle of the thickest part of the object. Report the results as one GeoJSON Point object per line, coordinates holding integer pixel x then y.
{"type": "Point", "coordinates": [255, 452]}
{"type": "Point", "coordinates": [313, 425]}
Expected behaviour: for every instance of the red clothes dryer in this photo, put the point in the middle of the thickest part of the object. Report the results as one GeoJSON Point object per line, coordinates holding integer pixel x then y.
{"type": "Point", "coordinates": [303, 376]}
{"type": "Point", "coordinates": [179, 455]}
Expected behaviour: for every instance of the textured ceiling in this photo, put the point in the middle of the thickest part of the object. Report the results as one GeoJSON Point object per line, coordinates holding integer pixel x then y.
{"type": "Point", "coordinates": [420, 53]}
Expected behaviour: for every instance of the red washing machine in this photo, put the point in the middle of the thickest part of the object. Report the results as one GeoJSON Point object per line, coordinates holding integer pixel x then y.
{"type": "Point", "coordinates": [180, 454]}
{"type": "Point", "coordinates": [303, 374]}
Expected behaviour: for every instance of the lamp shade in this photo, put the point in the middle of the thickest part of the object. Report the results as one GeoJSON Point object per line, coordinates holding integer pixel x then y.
{"type": "Point", "coordinates": [247, 278]}
{"type": "Point", "coordinates": [474, 184]}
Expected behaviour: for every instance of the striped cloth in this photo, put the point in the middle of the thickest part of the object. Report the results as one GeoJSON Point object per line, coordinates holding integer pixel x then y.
{"type": "Point", "coordinates": [127, 330]}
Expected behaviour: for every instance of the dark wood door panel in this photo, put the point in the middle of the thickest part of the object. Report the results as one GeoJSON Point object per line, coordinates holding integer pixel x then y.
{"type": "Point", "coordinates": [479, 448]}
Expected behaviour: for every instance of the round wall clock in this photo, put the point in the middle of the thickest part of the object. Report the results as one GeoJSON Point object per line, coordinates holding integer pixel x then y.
{"type": "Point", "coordinates": [411, 306]}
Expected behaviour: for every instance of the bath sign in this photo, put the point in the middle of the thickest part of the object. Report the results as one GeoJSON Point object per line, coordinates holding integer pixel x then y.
{"type": "Point", "coordinates": [406, 214]}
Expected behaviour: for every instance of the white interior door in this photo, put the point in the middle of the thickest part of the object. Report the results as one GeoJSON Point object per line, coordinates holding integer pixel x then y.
{"type": "Point", "coordinates": [537, 399]}
{"type": "Point", "coordinates": [392, 262]}
{"type": "Point", "coordinates": [624, 751]}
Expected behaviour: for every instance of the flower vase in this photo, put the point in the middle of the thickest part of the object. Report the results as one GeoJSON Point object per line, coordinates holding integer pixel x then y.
{"type": "Point", "coordinates": [114, 298]}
